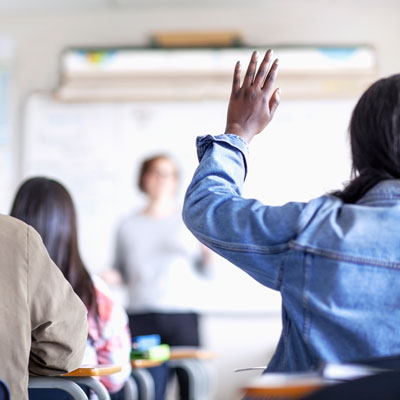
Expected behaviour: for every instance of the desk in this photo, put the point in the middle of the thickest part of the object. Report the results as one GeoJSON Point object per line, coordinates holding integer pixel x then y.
{"type": "Point", "coordinates": [95, 370]}
{"type": "Point", "coordinates": [179, 353]}
{"type": "Point", "coordinates": [142, 363]}
{"type": "Point", "coordinates": [287, 385]}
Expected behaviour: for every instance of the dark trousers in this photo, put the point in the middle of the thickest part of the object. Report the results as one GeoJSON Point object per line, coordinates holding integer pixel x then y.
{"type": "Point", "coordinates": [175, 329]}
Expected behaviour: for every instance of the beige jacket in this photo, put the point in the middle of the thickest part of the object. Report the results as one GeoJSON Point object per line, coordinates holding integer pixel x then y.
{"type": "Point", "coordinates": [43, 323]}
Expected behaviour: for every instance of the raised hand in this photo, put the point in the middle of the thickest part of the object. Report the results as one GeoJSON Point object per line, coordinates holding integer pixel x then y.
{"type": "Point", "coordinates": [252, 105]}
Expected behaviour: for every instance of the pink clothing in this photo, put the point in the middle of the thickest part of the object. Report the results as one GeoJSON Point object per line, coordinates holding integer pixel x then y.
{"type": "Point", "coordinates": [109, 339]}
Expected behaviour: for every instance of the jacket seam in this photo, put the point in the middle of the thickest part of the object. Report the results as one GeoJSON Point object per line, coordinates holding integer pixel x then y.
{"type": "Point", "coordinates": [280, 274]}
{"type": "Point", "coordinates": [240, 247]}
{"type": "Point", "coordinates": [285, 336]}
{"type": "Point", "coordinates": [378, 196]}
{"type": "Point", "coordinates": [307, 314]}
{"type": "Point", "coordinates": [343, 257]}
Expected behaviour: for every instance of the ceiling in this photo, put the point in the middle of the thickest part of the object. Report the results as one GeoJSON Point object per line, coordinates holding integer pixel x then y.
{"type": "Point", "coordinates": [40, 5]}
{"type": "Point", "coordinates": [53, 5]}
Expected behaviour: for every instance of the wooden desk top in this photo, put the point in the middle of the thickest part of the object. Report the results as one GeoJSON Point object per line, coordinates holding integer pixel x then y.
{"type": "Point", "coordinates": [291, 386]}
{"type": "Point", "coordinates": [178, 353]}
{"type": "Point", "coordinates": [95, 370]}
{"type": "Point", "coordinates": [141, 363]}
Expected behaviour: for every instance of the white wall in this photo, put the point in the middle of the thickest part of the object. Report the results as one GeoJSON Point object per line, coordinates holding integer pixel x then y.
{"type": "Point", "coordinates": [40, 36]}
{"type": "Point", "coordinates": [239, 341]}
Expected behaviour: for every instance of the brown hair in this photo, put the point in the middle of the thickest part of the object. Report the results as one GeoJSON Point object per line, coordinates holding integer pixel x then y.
{"type": "Point", "coordinates": [148, 163]}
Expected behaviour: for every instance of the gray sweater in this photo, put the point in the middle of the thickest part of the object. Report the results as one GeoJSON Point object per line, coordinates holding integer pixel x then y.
{"type": "Point", "coordinates": [159, 260]}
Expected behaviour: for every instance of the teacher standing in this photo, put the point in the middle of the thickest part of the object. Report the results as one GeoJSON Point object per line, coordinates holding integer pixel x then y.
{"type": "Point", "coordinates": [161, 265]}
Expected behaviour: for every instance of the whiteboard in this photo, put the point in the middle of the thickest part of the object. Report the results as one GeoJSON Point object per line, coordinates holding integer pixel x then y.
{"type": "Point", "coordinates": [95, 150]}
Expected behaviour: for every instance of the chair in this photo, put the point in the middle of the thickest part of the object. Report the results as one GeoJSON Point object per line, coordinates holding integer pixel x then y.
{"type": "Point", "coordinates": [382, 385]}
{"type": "Point", "coordinates": [4, 392]}
{"type": "Point", "coordinates": [387, 362]}
{"type": "Point", "coordinates": [71, 385]}
{"type": "Point", "coordinates": [48, 382]}
{"type": "Point", "coordinates": [191, 361]}
{"type": "Point", "coordinates": [142, 378]}
{"type": "Point", "coordinates": [131, 389]}
{"type": "Point", "coordinates": [71, 382]}
{"type": "Point", "coordinates": [385, 385]}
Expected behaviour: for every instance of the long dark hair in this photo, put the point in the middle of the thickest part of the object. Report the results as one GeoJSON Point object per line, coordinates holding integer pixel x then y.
{"type": "Point", "coordinates": [47, 206]}
{"type": "Point", "coordinates": [374, 138]}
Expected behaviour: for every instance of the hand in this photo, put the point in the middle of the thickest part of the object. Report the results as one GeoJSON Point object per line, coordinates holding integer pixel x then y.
{"type": "Point", "coordinates": [252, 106]}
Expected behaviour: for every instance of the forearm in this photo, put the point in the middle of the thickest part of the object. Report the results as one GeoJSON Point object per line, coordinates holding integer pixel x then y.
{"type": "Point", "coordinates": [251, 235]}
{"type": "Point", "coordinates": [216, 182]}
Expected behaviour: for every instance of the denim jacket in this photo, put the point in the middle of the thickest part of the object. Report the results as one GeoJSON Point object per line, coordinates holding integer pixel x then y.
{"type": "Point", "coordinates": [336, 265]}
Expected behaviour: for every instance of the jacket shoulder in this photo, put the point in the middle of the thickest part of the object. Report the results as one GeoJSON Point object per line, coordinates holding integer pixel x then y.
{"type": "Point", "coordinates": [12, 231]}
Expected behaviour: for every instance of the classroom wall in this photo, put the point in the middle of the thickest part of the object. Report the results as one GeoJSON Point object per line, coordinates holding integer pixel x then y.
{"type": "Point", "coordinates": [39, 37]}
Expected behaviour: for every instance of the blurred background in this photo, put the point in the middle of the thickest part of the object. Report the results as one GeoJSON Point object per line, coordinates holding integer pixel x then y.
{"type": "Point", "coordinates": [88, 88]}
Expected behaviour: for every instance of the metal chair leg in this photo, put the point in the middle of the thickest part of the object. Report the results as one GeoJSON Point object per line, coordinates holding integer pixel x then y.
{"type": "Point", "coordinates": [197, 377]}
{"type": "Point", "coordinates": [131, 390]}
{"type": "Point", "coordinates": [94, 384]}
{"type": "Point", "coordinates": [145, 382]}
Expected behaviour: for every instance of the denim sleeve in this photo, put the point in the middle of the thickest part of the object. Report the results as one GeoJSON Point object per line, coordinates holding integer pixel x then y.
{"type": "Point", "coordinates": [251, 235]}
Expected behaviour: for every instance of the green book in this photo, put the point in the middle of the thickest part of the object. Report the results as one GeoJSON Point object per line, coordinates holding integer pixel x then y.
{"type": "Point", "coordinates": [157, 353]}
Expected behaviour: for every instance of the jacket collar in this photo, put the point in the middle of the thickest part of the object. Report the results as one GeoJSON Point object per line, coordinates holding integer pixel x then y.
{"type": "Point", "coordinates": [388, 189]}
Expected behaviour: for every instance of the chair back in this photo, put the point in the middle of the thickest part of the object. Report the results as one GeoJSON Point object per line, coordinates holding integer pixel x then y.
{"type": "Point", "coordinates": [382, 386]}
{"type": "Point", "coordinates": [388, 362]}
{"type": "Point", "coordinates": [4, 392]}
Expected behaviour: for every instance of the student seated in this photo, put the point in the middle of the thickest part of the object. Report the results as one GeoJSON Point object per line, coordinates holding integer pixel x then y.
{"type": "Point", "coordinates": [43, 326]}
{"type": "Point", "coordinates": [336, 259]}
{"type": "Point", "coordinates": [47, 206]}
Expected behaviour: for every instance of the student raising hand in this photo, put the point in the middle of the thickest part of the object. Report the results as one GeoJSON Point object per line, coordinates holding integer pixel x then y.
{"type": "Point", "coordinates": [252, 105]}
{"type": "Point", "coordinates": [333, 259]}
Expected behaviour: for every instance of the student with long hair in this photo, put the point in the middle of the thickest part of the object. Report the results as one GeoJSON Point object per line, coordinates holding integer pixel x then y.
{"type": "Point", "coordinates": [47, 206]}
{"type": "Point", "coordinates": [336, 259]}
{"type": "Point", "coordinates": [43, 326]}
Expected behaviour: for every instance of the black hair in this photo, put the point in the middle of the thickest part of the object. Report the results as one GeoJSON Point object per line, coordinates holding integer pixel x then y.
{"type": "Point", "coordinates": [47, 206]}
{"type": "Point", "coordinates": [374, 138]}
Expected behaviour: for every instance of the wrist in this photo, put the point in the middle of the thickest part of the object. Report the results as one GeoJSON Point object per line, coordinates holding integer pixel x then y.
{"type": "Point", "coordinates": [236, 129]}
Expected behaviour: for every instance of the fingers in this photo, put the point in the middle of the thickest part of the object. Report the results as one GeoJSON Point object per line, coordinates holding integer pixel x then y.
{"type": "Point", "coordinates": [236, 79]}
{"type": "Point", "coordinates": [263, 70]}
{"type": "Point", "coordinates": [270, 78]}
{"type": "Point", "coordinates": [264, 79]}
{"type": "Point", "coordinates": [251, 70]}
{"type": "Point", "coordinates": [274, 102]}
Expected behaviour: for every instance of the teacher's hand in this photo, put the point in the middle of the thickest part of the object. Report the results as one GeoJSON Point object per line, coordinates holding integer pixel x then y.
{"type": "Point", "coordinates": [252, 105]}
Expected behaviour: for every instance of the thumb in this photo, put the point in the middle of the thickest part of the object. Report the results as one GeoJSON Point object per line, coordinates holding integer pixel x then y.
{"type": "Point", "coordinates": [274, 101]}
